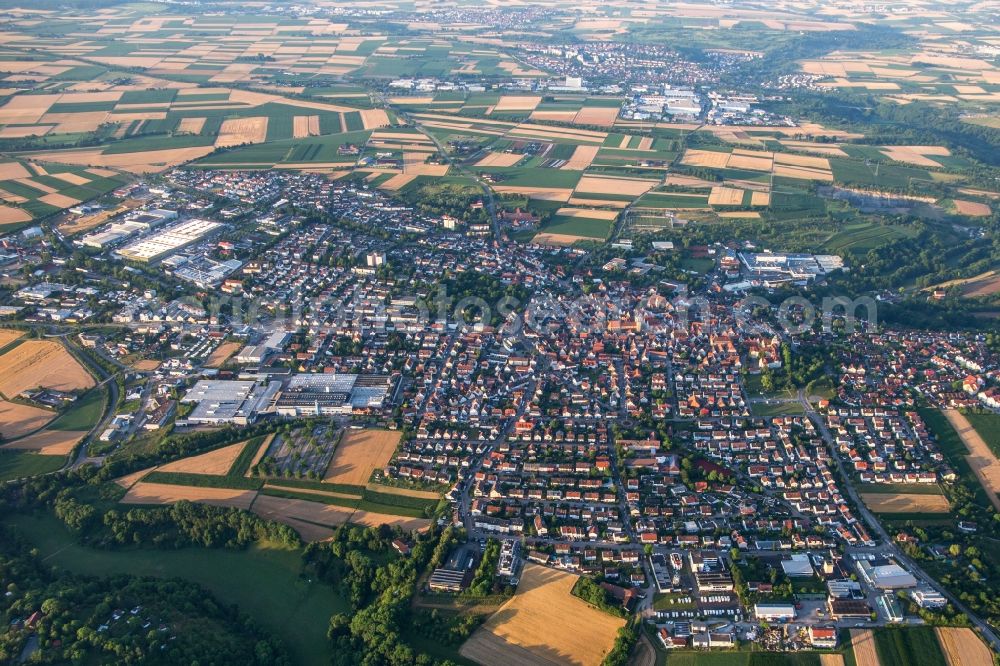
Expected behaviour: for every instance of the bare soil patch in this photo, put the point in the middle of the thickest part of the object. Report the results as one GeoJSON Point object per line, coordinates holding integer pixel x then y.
{"type": "Point", "coordinates": [222, 354]}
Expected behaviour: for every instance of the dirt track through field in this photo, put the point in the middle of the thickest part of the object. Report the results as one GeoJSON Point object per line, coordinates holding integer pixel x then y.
{"type": "Point", "coordinates": [981, 458]}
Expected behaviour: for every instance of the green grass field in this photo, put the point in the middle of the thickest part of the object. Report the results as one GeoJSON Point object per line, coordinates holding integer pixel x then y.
{"type": "Point", "coordinates": [988, 427]}
{"type": "Point", "coordinates": [954, 451]}
{"type": "Point", "coordinates": [916, 646]}
{"type": "Point", "coordinates": [19, 464]}
{"type": "Point", "coordinates": [578, 226]}
{"type": "Point", "coordinates": [83, 414]}
{"type": "Point", "coordinates": [265, 581]}
{"type": "Point", "coordinates": [764, 410]}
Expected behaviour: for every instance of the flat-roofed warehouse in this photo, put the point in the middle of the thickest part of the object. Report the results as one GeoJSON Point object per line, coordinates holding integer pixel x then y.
{"type": "Point", "coordinates": [220, 401]}
{"type": "Point", "coordinates": [161, 243]}
{"type": "Point", "coordinates": [331, 393]}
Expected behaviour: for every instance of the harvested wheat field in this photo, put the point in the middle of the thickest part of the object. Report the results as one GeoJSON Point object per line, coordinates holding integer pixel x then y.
{"type": "Point", "coordinates": [905, 503]}
{"type": "Point", "coordinates": [149, 161]}
{"type": "Point", "coordinates": [403, 492]}
{"type": "Point", "coordinates": [828, 659]}
{"type": "Point", "coordinates": [599, 116]}
{"type": "Point", "coordinates": [217, 462]}
{"type": "Point", "coordinates": [8, 335]}
{"type": "Point", "coordinates": [705, 158]}
{"type": "Point", "coordinates": [863, 642]}
{"type": "Point", "coordinates": [130, 480]}
{"type": "Point", "coordinates": [517, 103]}
{"type": "Point", "coordinates": [370, 519]}
{"type": "Point", "coordinates": [359, 453]}
{"type": "Point", "coordinates": [303, 126]}
{"type": "Point", "coordinates": [58, 200]}
{"type": "Point", "coordinates": [166, 493]}
{"type": "Point", "coordinates": [241, 131]}
{"type": "Point", "coordinates": [18, 420]}
{"type": "Point", "coordinates": [499, 160]}
{"type": "Point", "coordinates": [11, 215]}
{"type": "Point", "coordinates": [543, 624]}
{"type": "Point", "coordinates": [981, 458]}
{"type": "Point", "coordinates": [191, 125]}
{"type": "Point", "coordinates": [963, 647]}
{"type": "Point", "coordinates": [398, 182]}
{"type": "Point", "coordinates": [972, 208]}
{"type": "Point", "coordinates": [587, 213]}
{"type": "Point", "coordinates": [540, 193]}
{"type": "Point", "coordinates": [601, 185]}
{"type": "Point", "coordinates": [725, 196]}
{"type": "Point", "coordinates": [372, 118]}
{"type": "Point", "coordinates": [146, 365]}
{"type": "Point", "coordinates": [49, 442]}
{"type": "Point", "coordinates": [916, 155]}
{"type": "Point", "coordinates": [557, 240]}
{"type": "Point", "coordinates": [581, 158]}
{"type": "Point", "coordinates": [285, 510]}
{"type": "Point", "coordinates": [222, 354]}
{"type": "Point", "coordinates": [41, 363]}
{"type": "Point", "coordinates": [13, 171]}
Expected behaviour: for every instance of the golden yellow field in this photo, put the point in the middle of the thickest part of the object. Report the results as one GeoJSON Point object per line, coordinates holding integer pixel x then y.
{"type": "Point", "coordinates": [130, 480]}
{"type": "Point", "coordinates": [581, 158]}
{"type": "Point", "coordinates": [600, 116]}
{"type": "Point", "coordinates": [166, 493]}
{"type": "Point", "coordinates": [372, 118]}
{"type": "Point", "coordinates": [359, 453]}
{"type": "Point", "coordinates": [972, 208]}
{"type": "Point", "coordinates": [11, 215]}
{"type": "Point", "coordinates": [499, 159]}
{"type": "Point", "coordinates": [405, 492]}
{"type": "Point", "coordinates": [543, 624]}
{"type": "Point", "coordinates": [863, 642]}
{"type": "Point", "coordinates": [240, 131]}
{"type": "Point", "coordinates": [8, 335]}
{"type": "Point", "coordinates": [829, 659]}
{"type": "Point", "coordinates": [602, 185]}
{"type": "Point", "coordinates": [725, 196]}
{"type": "Point", "coordinates": [49, 442]}
{"type": "Point", "coordinates": [905, 503]}
{"type": "Point", "coordinates": [18, 420]}
{"type": "Point", "coordinates": [215, 462]}
{"type": "Point", "coordinates": [963, 647]}
{"type": "Point", "coordinates": [303, 126]}
{"type": "Point", "coordinates": [517, 103]}
{"type": "Point", "coordinates": [191, 125]}
{"type": "Point", "coordinates": [41, 363]}
{"type": "Point", "coordinates": [558, 240]}
{"type": "Point", "coordinates": [588, 213]}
